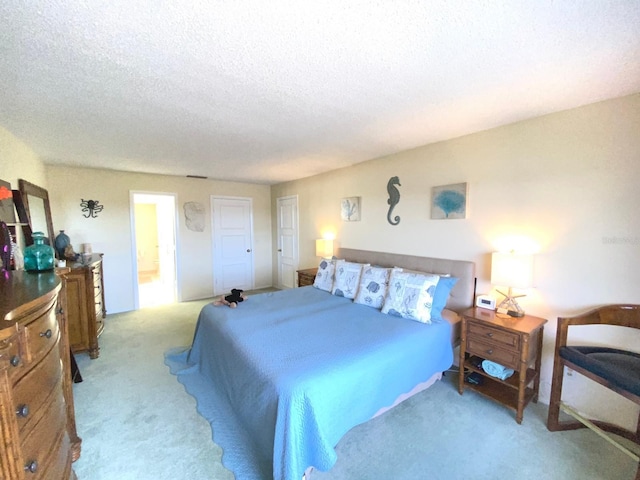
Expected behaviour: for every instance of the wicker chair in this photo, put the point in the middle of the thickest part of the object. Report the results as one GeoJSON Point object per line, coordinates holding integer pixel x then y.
{"type": "Point", "coordinates": [618, 370]}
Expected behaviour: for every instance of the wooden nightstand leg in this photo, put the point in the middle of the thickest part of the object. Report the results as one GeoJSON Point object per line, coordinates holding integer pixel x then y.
{"type": "Point", "coordinates": [521, 388]}
{"type": "Point", "coordinates": [522, 373]}
{"type": "Point", "coordinates": [463, 339]}
{"type": "Point", "coordinates": [536, 383]}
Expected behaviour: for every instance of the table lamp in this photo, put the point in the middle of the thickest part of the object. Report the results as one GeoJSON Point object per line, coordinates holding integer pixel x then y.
{"type": "Point", "coordinates": [324, 247]}
{"type": "Point", "coordinates": [511, 270]}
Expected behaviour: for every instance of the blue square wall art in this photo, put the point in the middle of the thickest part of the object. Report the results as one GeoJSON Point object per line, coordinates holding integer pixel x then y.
{"type": "Point", "coordinates": [449, 202]}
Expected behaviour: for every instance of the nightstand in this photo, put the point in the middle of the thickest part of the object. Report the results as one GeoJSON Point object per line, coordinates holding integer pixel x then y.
{"type": "Point", "coordinates": [306, 277]}
{"type": "Point", "coordinates": [515, 343]}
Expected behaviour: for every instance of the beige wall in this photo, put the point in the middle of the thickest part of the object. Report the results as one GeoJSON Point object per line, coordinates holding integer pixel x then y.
{"type": "Point", "coordinates": [110, 232]}
{"type": "Point", "coordinates": [17, 160]}
{"type": "Point", "coordinates": [565, 183]}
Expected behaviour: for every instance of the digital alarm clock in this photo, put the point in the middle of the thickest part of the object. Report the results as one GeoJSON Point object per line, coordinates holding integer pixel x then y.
{"type": "Point", "coordinates": [486, 301]}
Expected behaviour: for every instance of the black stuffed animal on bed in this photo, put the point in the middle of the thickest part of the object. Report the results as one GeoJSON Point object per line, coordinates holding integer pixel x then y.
{"type": "Point", "coordinates": [232, 300]}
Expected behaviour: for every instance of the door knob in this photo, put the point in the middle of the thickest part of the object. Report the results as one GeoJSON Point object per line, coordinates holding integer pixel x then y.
{"type": "Point", "coordinates": [280, 250]}
{"type": "Point", "coordinates": [248, 250]}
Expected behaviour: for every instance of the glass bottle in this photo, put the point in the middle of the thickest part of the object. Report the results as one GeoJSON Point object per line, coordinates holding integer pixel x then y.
{"type": "Point", "coordinates": [38, 257]}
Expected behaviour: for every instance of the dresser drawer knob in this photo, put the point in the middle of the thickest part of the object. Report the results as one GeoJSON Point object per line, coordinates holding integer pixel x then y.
{"type": "Point", "coordinates": [490, 351]}
{"type": "Point", "coordinates": [47, 334]}
{"type": "Point", "coordinates": [60, 311]}
{"type": "Point", "coordinates": [15, 361]}
{"type": "Point", "coordinates": [23, 410]}
{"type": "Point", "coordinates": [31, 467]}
{"type": "Point", "coordinates": [489, 334]}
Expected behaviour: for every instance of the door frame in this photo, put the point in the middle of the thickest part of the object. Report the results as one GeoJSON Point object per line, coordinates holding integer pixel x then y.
{"type": "Point", "coordinates": [212, 200]}
{"type": "Point", "coordinates": [134, 255]}
{"type": "Point", "coordinates": [278, 236]}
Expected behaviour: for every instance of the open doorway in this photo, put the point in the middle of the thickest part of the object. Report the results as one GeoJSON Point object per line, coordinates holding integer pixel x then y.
{"type": "Point", "coordinates": [154, 244]}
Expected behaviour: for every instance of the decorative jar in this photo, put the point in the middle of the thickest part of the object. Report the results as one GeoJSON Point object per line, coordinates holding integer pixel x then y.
{"type": "Point", "coordinates": [38, 257]}
{"type": "Point", "coordinates": [61, 242]}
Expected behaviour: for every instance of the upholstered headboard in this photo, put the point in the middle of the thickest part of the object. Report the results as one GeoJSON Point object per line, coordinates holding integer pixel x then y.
{"type": "Point", "coordinates": [463, 291]}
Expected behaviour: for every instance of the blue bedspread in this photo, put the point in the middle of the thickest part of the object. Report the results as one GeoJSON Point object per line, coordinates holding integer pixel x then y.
{"type": "Point", "coordinates": [301, 367]}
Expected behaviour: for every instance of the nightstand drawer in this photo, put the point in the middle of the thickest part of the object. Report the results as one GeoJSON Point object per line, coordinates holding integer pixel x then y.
{"type": "Point", "coordinates": [499, 355]}
{"type": "Point", "coordinates": [495, 335]}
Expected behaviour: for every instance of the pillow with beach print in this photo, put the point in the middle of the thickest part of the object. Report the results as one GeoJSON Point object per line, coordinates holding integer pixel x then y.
{"type": "Point", "coordinates": [347, 278]}
{"type": "Point", "coordinates": [374, 282]}
{"type": "Point", "coordinates": [324, 277]}
{"type": "Point", "coordinates": [410, 295]}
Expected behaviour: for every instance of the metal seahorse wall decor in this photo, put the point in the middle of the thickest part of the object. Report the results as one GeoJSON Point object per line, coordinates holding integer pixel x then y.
{"type": "Point", "coordinates": [394, 198]}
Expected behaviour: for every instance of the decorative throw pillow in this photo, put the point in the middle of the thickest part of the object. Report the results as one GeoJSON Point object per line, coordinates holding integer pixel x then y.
{"type": "Point", "coordinates": [347, 278]}
{"type": "Point", "coordinates": [374, 282]}
{"type": "Point", "coordinates": [324, 277]}
{"type": "Point", "coordinates": [410, 295]}
{"type": "Point", "coordinates": [443, 289]}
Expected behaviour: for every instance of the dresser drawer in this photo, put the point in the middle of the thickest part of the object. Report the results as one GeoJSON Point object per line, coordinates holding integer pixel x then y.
{"type": "Point", "coordinates": [97, 284]}
{"type": "Point", "coordinates": [37, 444]}
{"type": "Point", "coordinates": [488, 351]}
{"type": "Point", "coordinates": [483, 332]}
{"type": "Point", "coordinates": [11, 357]}
{"type": "Point", "coordinates": [36, 388]}
{"type": "Point", "coordinates": [98, 305]}
{"type": "Point", "coordinates": [59, 462]}
{"type": "Point", "coordinates": [97, 277]}
{"type": "Point", "coordinates": [42, 334]}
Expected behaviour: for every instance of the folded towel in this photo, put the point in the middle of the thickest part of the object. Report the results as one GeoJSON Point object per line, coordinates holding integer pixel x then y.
{"type": "Point", "coordinates": [496, 370]}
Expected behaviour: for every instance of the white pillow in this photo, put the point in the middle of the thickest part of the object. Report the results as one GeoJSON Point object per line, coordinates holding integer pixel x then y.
{"type": "Point", "coordinates": [423, 272]}
{"type": "Point", "coordinates": [324, 277]}
{"type": "Point", "coordinates": [410, 295]}
{"type": "Point", "coordinates": [347, 278]}
{"type": "Point", "coordinates": [374, 282]}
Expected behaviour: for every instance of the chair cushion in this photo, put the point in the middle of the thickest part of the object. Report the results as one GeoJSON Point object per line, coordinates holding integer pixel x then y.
{"type": "Point", "coordinates": [620, 367]}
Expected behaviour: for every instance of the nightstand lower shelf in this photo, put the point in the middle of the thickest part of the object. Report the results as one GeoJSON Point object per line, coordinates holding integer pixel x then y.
{"type": "Point", "coordinates": [505, 394]}
{"type": "Point", "coordinates": [513, 381]}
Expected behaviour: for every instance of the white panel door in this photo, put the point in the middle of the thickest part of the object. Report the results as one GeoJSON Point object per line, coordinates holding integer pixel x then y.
{"type": "Point", "coordinates": [287, 241]}
{"type": "Point", "coordinates": [232, 244]}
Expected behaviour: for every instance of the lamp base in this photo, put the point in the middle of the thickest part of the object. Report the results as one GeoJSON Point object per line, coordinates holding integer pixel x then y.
{"type": "Point", "coordinates": [510, 305]}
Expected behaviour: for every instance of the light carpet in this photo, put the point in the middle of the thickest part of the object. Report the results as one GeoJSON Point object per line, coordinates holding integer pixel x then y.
{"type": "Point", "coordinates": [137, 422]}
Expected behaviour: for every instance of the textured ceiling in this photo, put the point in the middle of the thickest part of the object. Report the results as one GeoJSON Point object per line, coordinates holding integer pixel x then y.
{"type": "Point", "coordinates": [269, 91]}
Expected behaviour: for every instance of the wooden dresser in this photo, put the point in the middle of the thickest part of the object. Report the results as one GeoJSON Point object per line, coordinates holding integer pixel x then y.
{"type": "Point", "coordinates": [38, 436]}
{"type": "Point", "coordinates": [85, 304]}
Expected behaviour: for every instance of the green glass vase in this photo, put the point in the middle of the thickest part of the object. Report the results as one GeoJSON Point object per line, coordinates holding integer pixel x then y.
{"type": "Point", "coordinates": [38, 257]}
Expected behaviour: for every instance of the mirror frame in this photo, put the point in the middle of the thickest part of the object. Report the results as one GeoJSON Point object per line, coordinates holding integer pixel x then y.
{"type": "Point", "coordinates": [28, 189]}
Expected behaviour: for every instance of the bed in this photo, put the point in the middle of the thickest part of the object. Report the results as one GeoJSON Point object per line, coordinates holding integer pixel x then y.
{"type": "Point", "coordinates": [299, 368]}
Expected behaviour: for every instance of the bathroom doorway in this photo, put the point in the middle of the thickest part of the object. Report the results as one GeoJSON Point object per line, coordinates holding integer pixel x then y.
{"type": "Point", "coordinates": [154, 244]}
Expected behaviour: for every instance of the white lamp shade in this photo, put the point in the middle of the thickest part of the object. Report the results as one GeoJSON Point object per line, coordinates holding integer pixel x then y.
{"type": "Point", "coordinates": [324, 248]}
{"type": "Point", "coordinates": [512, 270]}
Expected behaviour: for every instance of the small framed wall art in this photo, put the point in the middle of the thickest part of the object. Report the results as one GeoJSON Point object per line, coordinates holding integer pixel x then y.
{"type": "Point", "coordinates": [449, 201]}
{"type": "Point", "coordinates": [7, 212]}
{"type": "Point", "coordinates": [350, 209]}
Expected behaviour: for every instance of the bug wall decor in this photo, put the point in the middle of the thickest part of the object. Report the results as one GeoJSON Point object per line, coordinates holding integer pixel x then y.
{"type": "Point", "coordinates": [91, 207]}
